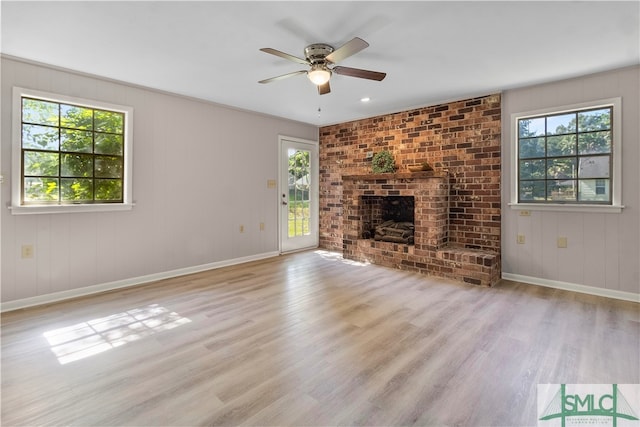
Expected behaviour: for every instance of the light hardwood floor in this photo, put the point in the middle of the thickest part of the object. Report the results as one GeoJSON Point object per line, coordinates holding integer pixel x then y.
{"type": "Point", "coordinates": [309, 339]}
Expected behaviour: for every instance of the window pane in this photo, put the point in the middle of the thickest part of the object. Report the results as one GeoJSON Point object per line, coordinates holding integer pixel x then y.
{"type": "Point", "coordinates": [594, 190]}
{"type": "Point", "coordinates": [564, 190]}
{"type": "Point", "coordinates": [564, 145]}
{"type": "Point", "coordinates": [594, 167]}
{"type": "Point", "coordinates": [40, 189]}
{"type": "Point", "coordinates": [578, 155]}
{"type": "Point", "coordinates": [108, 167]}
{"type": "Point", "coordinates": [109, 190]}
{"type": "Point", "coordinates": [39, 137]}
{"type": "Point", "coordinates": [531, 127]}
{"type": "Point", "coordinates": [70, 153]}
{"type": "Point", "coordinates": [108, 143]}
{"type": "Point", "coordinates": [561, 168]}
{"type": "Point", "coordinates": [594, 120]}
{"type": "Point", "coordinates": [72, 116]}
{"type": "Point", "coordinates": [532, 191]}
{"type": "Point", "coordinates": [594, 142]}
{"type": "Point", "coordinates": [40, 163]}
{"type": "Point", "coordinates": [563, 123]}
{"type": "Point", "coordinates": [78, 165]}
{"type": "Point", "coordinates": [531, 147]}
{"type": "Point", "coordinates": [108, 121]}
{"type": "Point", "coordinates": [299, 175]}
{"type": "Point", "coordinates": [79, 189]}
{"type": "Point", "coordinates": [39, 112]}
{"type": "Point", "coordinates": [532, 169]}
{"type": "Point", "coordinates": [76, 141]}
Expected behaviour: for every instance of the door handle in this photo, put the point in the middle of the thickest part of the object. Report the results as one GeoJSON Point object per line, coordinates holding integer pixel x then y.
{"type": "Point", "coordinates": [284, 201]}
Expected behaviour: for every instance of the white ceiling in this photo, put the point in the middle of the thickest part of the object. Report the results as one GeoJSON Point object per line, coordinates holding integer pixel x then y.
{"type": "Point", "coordinates": [431, 51]}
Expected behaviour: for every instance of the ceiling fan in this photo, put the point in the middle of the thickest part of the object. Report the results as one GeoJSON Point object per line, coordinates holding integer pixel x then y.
{"type": "Point", "coordinates": [321, 58]}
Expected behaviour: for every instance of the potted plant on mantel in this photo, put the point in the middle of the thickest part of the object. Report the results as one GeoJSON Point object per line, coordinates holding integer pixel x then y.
{"type": "Point", "coordinates": [383, 162]}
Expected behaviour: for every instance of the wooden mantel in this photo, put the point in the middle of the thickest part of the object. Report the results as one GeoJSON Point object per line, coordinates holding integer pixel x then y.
{"type": "Point", "coordinates": [392, 176]}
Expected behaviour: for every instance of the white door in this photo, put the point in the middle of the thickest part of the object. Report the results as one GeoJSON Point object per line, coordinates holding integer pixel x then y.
{"type": "Point", "coordinates": [298, 194]}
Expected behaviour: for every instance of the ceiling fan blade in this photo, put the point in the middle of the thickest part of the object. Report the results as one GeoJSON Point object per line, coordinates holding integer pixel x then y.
{"type": "Point", "coordinates": [324, 89]}
{"type": "Point", "coordinates": [285, 55]}
{"type": "Point", "coordinates": [351, 47]}
{"type": "Point", "coordinates": [356, 72]}
{"type": "Point", "coordinates": [284, 76]}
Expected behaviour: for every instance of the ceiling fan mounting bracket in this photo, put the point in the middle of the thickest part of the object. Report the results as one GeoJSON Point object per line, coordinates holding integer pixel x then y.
{"type": "Point", "coordinates": [316, 53]}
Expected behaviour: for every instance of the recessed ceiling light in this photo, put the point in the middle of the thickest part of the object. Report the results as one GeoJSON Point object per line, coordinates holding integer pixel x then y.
{"type": "Point", "coordinates": [365, 99]}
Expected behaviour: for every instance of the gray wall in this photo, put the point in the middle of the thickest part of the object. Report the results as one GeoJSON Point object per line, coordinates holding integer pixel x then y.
{"type": "Point", "coordinates": [603, 248]}
{"type": "Point", "coordinates": [200, 171]}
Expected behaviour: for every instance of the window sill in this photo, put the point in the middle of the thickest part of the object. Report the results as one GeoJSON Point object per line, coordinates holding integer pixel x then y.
{"type": "Point", "coordinates": [46, 209]}
{"type": "Point", "coordinates": [567, 208]}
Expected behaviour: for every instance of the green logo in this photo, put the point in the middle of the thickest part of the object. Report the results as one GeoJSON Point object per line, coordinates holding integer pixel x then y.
{"type": "Point", "coordinates": [587, 404]}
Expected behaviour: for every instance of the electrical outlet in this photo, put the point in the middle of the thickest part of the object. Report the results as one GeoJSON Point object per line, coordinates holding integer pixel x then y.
{"type": "Point", "coordinates": [562, 242]}
{"type": "Point", "coordinates": [525, 213]}
{"type": "Point", "coordinates": [242, 228]}
{"type": "Point", "coordinates": [27, 251]}
{"type": "Point", "coordinates": [520, 239]}
{"type": "Point", "coordinates": [369, 154]}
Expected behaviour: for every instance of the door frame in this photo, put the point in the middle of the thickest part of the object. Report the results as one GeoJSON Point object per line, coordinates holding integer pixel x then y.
{"type": "Point", "coordinates": [283, 188]}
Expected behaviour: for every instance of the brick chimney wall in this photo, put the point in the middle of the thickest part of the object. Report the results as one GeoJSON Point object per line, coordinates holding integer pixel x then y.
{"type": "Point", "coordinates": [461, 138]}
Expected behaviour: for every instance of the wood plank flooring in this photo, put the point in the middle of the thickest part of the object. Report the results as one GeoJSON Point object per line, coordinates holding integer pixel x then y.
{"type": "Point", "coordinates": [309, 339]}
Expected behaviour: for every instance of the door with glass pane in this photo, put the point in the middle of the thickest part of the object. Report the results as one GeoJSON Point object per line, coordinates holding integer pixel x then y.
{"type": "Point", "coordinates": [298, 194]}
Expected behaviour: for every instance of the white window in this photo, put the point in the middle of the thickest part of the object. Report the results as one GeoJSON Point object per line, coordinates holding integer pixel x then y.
{"type": "Point", "coordinates": [568, 158]}
{"type": "Point", "coordinates": [70, 154]}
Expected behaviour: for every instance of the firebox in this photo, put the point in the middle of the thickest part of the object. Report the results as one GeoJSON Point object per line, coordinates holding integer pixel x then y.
{"type": "Point", "coordinates": [388, 218]}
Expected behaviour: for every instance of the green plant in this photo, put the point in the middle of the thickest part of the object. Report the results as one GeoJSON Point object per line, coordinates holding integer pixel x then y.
{"type": "Point", "coordinates": [383, 162]}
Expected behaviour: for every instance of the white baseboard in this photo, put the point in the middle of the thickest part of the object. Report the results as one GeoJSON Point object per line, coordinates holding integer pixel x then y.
{"type": "Point", "coordinates": [125, 283]}
{"type": "Point", "coordinates": [602, 292]}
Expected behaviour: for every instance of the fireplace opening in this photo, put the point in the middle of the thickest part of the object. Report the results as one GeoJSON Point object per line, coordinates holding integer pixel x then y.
{"type": "Point", "coordinates": [388, 218]}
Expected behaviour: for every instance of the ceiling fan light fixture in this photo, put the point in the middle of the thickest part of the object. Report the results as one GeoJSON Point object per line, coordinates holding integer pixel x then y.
{"type": "Point", "coordinates": [319, 56]}
{"type": "Point", "coordinates": [319, 74]}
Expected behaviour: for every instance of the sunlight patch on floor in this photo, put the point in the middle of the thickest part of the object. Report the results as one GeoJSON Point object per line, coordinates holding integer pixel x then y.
{"type": "Point", "coordinates": [95, 336]}
{"type": "Point", "coordinates": [335, 256]}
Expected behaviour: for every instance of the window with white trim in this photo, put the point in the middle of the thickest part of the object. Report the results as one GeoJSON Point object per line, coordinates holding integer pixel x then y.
{"type": "Point", "coordinates": [568, 156]}
{"type": "Point", "coordinates": [70, 153]}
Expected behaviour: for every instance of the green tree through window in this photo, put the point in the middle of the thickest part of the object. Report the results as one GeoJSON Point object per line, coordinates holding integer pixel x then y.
{"type": "Point", "coordinates": [71, 154]}
{"type": "Point", "coordinates": [566, 157]}
{"type": "Point", "coordinates": [299, 180]}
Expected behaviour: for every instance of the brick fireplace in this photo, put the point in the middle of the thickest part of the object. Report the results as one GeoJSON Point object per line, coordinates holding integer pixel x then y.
{"type": "Point", "coordinates": [457, 206]}
{"type": "Point", "coordinates": [430, 253]}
